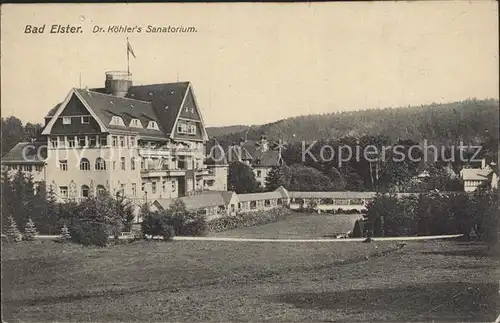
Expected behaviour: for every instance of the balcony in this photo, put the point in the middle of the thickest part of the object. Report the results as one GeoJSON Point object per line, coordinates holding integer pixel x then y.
{"type": "Point", "coordinates": [162, 172]}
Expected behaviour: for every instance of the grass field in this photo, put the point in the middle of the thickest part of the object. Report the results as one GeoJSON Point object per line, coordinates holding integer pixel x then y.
{"type": "Point", "coordinates": [299, 226]}
{"type": "Point", "coordinates": [250, 281]}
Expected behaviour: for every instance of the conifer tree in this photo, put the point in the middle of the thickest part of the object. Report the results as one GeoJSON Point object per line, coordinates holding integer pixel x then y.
{"type": "Point", "coordinates": [12, 231]}
{"type": "Point", "coordinates": [30, 230]}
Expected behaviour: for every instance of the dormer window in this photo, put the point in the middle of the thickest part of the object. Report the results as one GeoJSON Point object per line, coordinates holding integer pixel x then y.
{"type": "Point", "coordinates": [117, 121]}
{"type": "Point", "coordinates": [66, 120]}
{"type": "Point", "coordinates": [153, 125]}
{"type": "Point", "coordinates": [136, 123]}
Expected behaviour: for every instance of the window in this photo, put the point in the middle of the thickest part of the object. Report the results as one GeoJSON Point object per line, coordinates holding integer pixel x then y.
{"type": "Point", "coordinates": [131, 142]}
{"type": "Point", "coordinates": [173, 186]}
{"type": "Point", "coordinates": [136, 123]}
{"type": "Point", "coordinates": [122, 141]}
{"type": "Point", "coordinates": [267, 203]}
{"type": "Point", "coordinates": [114, 164]}
{"type": "Point", "coordinates": [100, 164]}
{"type": "Point", "coordinates": [143, 187]}
{"type": "Point", "coordinates": [132, 163]}
{"type": "Point", "coordinates": [253, 205]}
{"type": "Point", "coordinates": [85, 191]}
{"type": "Point", "coordinates": [62, 142]}
{"type": "Point", "coordinates": [153, 125]}
{"type": "Point", "coordinates": [122, 161]}
{"type": "Point", "coordinates": [259, 173]}
{"type": "Point", "coordinates": [27, 168]}
{"type": "Point", "coordinates": [53, 142]}
{"type": "Point", "coordinates": [92, 141]}
{"type": "Point", "coordinates": [38, 168]}
{"type": "Point", "coordinates": [81, 141]}
{"type": "Point", "coordinates": [134, 189]}
{"type": "Point", "coordinates": [100, 190]}
{"type": "Point", "coordinates": [164, 186]}
{"type": "Point", "coordinates": [84, 164]}
{"type": "Point", "coordinates": [71, 142]}
{"type": "Point", "coordinates": [181, 127]}
{"type": "Point", "coordinates": [63, 165]}
{"type": "Point", "coordinates": [103, 140]}
{"type": "Point", "coordinates": [85, 120]}
{"type": "Point", "coordinates": [123, 189]}
{"type": "Point", "coordinates": [153, 187]}
{"type": "Point", "coordinates": [143, 163]}
{"type": "Point", "coordinates": [117, 121]}
{"type": "Point", "coordinates": [66, 120]}
{"type": "Point", "coordinates": [114, 141]}
{"type": "Point", "coordinates": [191, 129]}
{"type": "Point", "coordinates": [63, 191]}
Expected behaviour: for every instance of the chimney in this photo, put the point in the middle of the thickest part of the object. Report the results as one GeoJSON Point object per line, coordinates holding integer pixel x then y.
{"type": "Point", "coordinates": [118, 83]}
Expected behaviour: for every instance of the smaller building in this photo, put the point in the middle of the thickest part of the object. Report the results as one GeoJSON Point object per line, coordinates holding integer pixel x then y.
{"type": "Point", "coordinates": [214, 204]}
{"type": "Point", "coordinates": [486, 176]}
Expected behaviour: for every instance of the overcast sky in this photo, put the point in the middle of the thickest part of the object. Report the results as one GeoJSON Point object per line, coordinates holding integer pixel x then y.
{"type": "Point", "coordinates": [257, 63]}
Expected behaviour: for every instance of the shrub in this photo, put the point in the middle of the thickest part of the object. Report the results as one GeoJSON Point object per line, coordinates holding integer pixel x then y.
{"type": "Point", "coordinates": [357, 231]}
{"type": "Point", "coordinates": [12, 231]}
{"type": "Point", "coordinates": [30, 230]}
{"type": "Point", "coordinates": [65, 236]}
{"type": "Point", "coordinates": [90, 233]}
{"type": "Point", "coordinates": [156, 223]}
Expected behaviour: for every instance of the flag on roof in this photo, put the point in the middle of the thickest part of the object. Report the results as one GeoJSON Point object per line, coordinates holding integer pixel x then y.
{"type": "Point", "coordinates": [129, 49]}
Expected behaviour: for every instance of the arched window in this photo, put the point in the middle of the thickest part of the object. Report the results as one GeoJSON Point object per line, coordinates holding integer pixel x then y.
{"type": "Point", "coordinates": [132, 163]}
{"type": "Point", "coordinates": [100, 164]}
{"type": "Point", "coordinates": [84, 164]}
{"type": "Point", "coordinates": [85, 191]}
{"type": "Point", "coordinates": [100, 190]}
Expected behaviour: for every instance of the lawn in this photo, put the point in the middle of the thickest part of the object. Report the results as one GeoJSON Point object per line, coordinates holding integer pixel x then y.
{"type": "Point", "coordinates": [299, 226]}
{"type": "Point", "coordinates": [250, 281]}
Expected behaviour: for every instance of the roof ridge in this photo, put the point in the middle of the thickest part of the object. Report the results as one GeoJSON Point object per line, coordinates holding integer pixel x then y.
{"type": "Point", "coordinates": [162, 84]}
{"type": "Point", "coordinates": [114, 96]}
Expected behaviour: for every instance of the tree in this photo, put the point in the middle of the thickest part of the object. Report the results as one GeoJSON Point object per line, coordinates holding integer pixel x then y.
{"type": "Point", "coordinates": [241, 178]}
{"type": "Point", "coordinates": [156, 223]}
{"type": "Point", "coordinates": [30, 230]}
{"type": "Point", "coordinates": [274, 178]}
{"type": "Point", "coordinates": [303, 178]}
{"type": "Point", "coordinates": [12, 231]}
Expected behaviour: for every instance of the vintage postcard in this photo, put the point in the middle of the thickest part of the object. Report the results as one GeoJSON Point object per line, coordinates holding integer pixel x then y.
{"type": "Point", "coordinates": [192, 162]}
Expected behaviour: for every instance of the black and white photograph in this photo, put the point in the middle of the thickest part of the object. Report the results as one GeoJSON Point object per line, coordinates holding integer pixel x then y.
{"type": "Point", "coordinates": [250, 162]}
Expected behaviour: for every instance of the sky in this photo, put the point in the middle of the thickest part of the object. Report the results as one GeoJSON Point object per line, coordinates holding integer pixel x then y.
{"type": "Point", "coordinates": [258, 63]}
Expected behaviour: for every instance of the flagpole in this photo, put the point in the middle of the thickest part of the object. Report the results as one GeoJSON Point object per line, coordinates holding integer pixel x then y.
{"type": "Point", "coordinates": [128, 60]}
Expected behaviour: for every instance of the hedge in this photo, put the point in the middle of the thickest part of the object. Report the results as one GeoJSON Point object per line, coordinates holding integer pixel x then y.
{"type": "Point", "coordinates": [242, 220]}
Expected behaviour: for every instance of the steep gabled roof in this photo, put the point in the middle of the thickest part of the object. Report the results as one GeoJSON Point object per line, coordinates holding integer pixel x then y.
{"type": "Point", "coordinates": [237, 153]}
{"type": "Point", "coordinates": [26, 153]}
{"type": "Point", "coordinates": [268, 158]}
{"type": "Point", "coordinates": [106, 106]}
{"type": "Point", "coordinates": [166, 99]}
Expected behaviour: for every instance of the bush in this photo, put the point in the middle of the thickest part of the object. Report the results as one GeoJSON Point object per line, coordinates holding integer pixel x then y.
{"type": "Point", "coordinates": [357, 231]}
{"type": "Point", "coordinates": [65, 236]}
{"type": "Point", "coordinates": [90, 233]}
{"type": "Point", "coordinates": [241, 220]}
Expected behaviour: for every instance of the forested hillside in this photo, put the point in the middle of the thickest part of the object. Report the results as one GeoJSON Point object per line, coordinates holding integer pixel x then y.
{"type": "Point", "coordinates": [472, 121]}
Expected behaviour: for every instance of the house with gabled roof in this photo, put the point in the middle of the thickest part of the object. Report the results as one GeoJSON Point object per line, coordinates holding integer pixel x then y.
{"type": "Point", "coordinates": [486, 176]}
{"type": "Point", "coordinates": [259, 155]}
{"type": "Point", "coordinates": [139, 141]}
